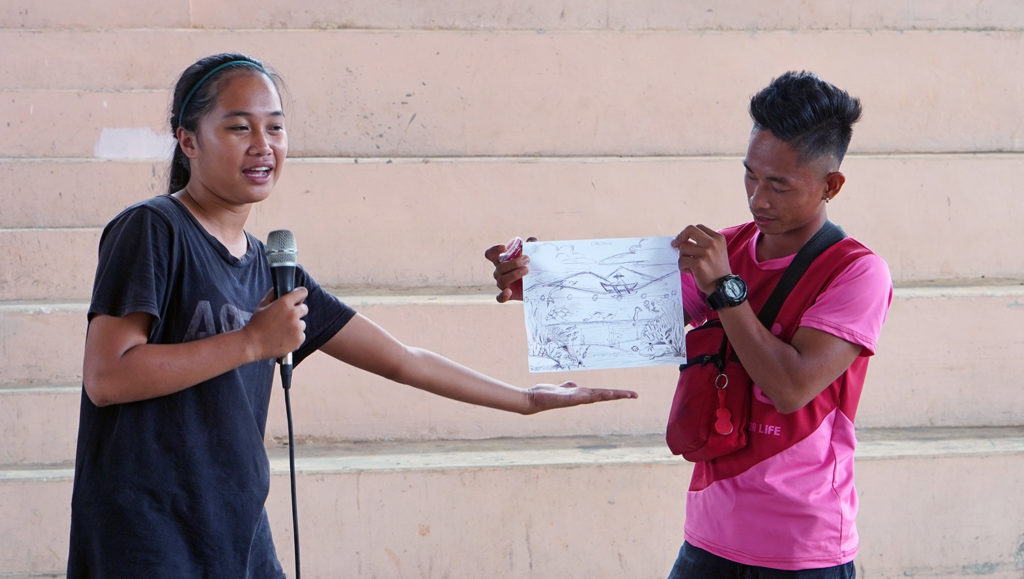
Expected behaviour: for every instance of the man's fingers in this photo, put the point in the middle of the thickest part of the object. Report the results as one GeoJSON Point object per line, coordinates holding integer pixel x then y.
{"type": "Point", "coordinates": [493, 253]}
{"type": "Point", "coordinates": [709, 231]}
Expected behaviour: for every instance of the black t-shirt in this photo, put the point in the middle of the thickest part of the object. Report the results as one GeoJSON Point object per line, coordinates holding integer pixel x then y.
{"type": "Point", "coordinates": [175, 486]}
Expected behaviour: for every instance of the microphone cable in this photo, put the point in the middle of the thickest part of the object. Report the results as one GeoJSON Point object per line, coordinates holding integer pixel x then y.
{"type": "Point", "coordinates": [286, 381]}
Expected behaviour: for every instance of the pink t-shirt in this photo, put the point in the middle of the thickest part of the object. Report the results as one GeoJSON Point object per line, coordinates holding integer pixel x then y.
{"type": "Point", "coordinates": [849, 308]}
{"type": "Point", "coordinates": [796, 508]}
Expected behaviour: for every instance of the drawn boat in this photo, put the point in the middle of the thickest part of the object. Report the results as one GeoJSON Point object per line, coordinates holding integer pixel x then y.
{"type": "Point", "coordinates": [619, 287]}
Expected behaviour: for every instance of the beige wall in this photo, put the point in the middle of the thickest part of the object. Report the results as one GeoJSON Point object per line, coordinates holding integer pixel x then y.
{"type": "Point", "coordinates": [423, 132]}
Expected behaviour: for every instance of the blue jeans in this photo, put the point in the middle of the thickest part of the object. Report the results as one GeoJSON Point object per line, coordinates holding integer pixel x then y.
{"type": "Point", "coordinates": [694, 563]}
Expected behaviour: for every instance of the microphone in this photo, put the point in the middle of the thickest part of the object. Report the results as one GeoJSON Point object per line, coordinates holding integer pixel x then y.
{"type": "Point", "coordinates": [281, 255]}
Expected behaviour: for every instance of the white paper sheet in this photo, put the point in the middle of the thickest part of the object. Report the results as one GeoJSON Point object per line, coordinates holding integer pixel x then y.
{"type": "Point", "coordinates": [603, 303]}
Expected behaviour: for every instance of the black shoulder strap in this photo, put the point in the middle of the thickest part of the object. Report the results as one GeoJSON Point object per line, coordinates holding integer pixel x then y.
{"type": "Point", "coordinates": [828, 235]}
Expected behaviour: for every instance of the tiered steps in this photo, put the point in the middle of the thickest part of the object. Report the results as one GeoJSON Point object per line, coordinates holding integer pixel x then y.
{"type": "Point", "coordinates": [421, 135]}
{"type": "Point", "coordinates": [576, 507]}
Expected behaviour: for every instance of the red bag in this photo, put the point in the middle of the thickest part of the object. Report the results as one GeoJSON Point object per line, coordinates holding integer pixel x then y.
{"type": "Point", "coordinates": [711, 406]}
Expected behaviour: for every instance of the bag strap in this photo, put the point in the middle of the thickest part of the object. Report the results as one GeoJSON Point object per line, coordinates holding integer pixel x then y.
{"type": "Point", "coordinates": [826, 237]}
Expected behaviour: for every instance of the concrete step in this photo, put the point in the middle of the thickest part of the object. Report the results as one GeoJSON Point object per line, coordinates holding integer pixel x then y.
{"type": "Point", "coordinates": [603, 507]}
{"type": "Point", "coordinates": [108, 14]}
{"type": "Point", "coordinates": [465, 125]}
{"type": "Point", "coordinates": [948, 357]}
{"type": "Point", "coordinates": [416, 223]}
{"type": "Point", "coordinates": [467, 93]}
{"type": "Point", "coordinates": [531, 15]}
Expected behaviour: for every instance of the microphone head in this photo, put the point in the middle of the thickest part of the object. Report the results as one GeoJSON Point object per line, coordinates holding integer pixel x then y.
{"type": "Point", "coordinates": [281, 249]}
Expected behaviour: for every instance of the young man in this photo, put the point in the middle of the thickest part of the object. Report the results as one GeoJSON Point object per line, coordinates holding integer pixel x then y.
{"type": "Point", "coordinates": [784, 505]}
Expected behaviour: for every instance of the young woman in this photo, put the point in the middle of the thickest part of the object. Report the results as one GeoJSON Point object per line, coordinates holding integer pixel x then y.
{"type": "Point", "coordinates": [171, 472]}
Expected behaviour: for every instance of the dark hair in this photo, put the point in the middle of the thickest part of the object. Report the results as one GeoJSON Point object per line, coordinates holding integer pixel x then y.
{"type": "Point", "coordinates": [811, 115]}
{"type": "Point", "coordinates": [195, 94]}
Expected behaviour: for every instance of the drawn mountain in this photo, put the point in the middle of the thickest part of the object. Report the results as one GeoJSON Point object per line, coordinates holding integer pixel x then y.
{"type": "Point", "coordinates": [622, 280]}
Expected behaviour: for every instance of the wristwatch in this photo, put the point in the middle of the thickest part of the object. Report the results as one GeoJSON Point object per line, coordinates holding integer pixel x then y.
{"type": "Point", "coordinates": [731, 291]}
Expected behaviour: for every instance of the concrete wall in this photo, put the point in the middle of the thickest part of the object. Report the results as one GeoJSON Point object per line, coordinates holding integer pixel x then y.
{"type": "Point", "coordinates": [421, 133]}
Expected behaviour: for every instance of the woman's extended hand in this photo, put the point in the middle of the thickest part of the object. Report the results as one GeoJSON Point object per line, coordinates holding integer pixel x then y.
{"type": "Point", "coordinates": [549, 396]}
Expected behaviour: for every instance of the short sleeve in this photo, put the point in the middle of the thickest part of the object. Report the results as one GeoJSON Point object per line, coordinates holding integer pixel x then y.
{"type": "Point", "coordinates": [327, 315]}
{"type": "Point", "coordinates": [855, 304]}
{"type": "Point", "coordinates": [132, 271]}
{"type": "Point", "coordinates": [694, 306]}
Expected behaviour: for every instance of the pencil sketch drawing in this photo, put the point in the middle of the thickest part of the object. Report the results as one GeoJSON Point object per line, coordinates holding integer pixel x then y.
{"type": "Point", "coordinates": [603, 303]}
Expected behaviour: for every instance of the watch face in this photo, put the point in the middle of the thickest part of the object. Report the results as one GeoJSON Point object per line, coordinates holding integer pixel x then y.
{"type": "Point", "coordinates": [733, 289]}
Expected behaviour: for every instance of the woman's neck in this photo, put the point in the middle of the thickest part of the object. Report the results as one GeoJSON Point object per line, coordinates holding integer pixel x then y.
{"type": "Point", "coordinates": [225, 223]}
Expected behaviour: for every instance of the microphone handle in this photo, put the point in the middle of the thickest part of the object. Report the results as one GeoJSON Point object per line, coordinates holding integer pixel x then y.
{"type": "Point", "coordinates": [284, 282]}
{"type": "Point", "coordinates": [284, 279]}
